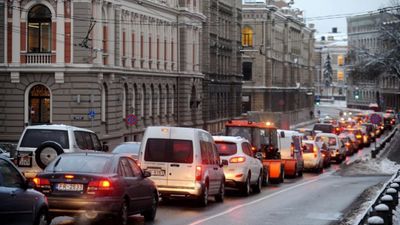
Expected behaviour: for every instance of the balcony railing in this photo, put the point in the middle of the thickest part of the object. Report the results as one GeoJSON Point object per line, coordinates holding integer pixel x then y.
{"type": "Point", "coordinates": [38, 58]}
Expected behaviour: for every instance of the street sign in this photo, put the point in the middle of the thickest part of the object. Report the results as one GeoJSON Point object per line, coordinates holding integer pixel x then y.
{"type": "Point", "coordinates": [131, 120]}
{"type": "Point", "coordinates": [91, 114]}
{"type": "Point", "coordinates": [375, 118]}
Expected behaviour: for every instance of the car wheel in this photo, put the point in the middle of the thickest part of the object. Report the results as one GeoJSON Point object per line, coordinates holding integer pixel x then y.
{"type": "Point", "coordinates": [42, 218]}
{"type": "Point", "coordinates": [150, 214]}
{"type": "Point", "coordinates": [258, 186]}
{"type": "Point", "coordinates": [246, 187]}
{"type": "Point", "coordinates": [123, 214]}
{"type": "Point", "coordinates": [46, 153]}
{"type": "Point", "coordinates": [221, 195]}
{"type": "Point", "coordinates": [282, 178]}
{"type": "Point", "coordinates": [203, 200]}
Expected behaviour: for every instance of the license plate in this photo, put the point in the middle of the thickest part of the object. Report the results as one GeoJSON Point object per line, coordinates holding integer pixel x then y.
{"type": "Point", "coordinates": [156, 171]}
{"type": "Point", "coordinates": [69, 187]}
{"type": "Point", "coordinates": [24, 159]}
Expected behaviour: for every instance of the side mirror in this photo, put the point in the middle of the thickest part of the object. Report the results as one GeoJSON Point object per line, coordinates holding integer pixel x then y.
{"type": "Point", "coordinates": [28, 184]}
{"type": "Point", "coordinates": [224, 162]}
{"type": "Point", "coordinates": [146, 174]}
{"type": "Point", "coordinates": [105, 147]}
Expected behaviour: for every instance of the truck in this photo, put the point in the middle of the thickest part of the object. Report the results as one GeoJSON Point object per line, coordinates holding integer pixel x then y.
{"type": "Point", "coordinates": [290, 147]}
{"type": "Point", "coordinates": [264, 140]}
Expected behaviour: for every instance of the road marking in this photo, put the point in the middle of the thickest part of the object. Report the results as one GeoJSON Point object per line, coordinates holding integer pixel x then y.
{"type": "Point", "coordinates": [255, 201]}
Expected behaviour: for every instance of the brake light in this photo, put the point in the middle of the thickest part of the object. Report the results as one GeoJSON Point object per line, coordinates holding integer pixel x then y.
{"type": "Point", "coordinates": [99, 187]}
{"type": "Point", "coordinates": [40, 182]}
{"type": "Point", "coordinates": [358, 136]}
{"type": "Point", "coordinates": [69, 176]}
{"type": "Point", "coordinates": [315, 150]}
{"type": "Point", "coordinates": [239, 159]}
{"type": "Point", "coordinates": [198, 173]}
{"type": "Point", "coordinates": [347, 144]}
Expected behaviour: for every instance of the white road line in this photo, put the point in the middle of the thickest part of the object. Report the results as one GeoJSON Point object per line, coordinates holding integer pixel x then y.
{"type": "Point", "coordinates": [253, 202]}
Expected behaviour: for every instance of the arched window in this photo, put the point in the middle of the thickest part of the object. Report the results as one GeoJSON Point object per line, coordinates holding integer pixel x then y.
{"type": "Point", "coordinates": [173, 100]}
{"type": "Point", "coordinates": [247, 37]}
{"type": "Point", "coordinates": [39, 105]}
{"type": "Point", "coordinates": [39, 29]}
{"type": "Point", "coordinates": [142, 101]}
{"type": "Point", "coordinates": [166, 100]}
{"type": "Point", "coordinates": [125, 107]}
{"type": "Point", "coordinates": [151, 96]}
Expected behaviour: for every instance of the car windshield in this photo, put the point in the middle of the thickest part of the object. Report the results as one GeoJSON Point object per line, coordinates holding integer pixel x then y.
{"type": "Point", "coordinates": [127, 148]}
{"type": "Point", "coordinates": [33, 138]}
{"type": "Point", "coordinates": [79, 163]}
{"type": "Point", "coordinates": [226, 148]}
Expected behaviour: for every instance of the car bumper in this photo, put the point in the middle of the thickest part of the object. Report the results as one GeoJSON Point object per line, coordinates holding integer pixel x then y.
{"type": "Point", "coordinates": [311, 164]}
{"type": "Point", "coordinates": [186, 192]}
{"type": "Point", "coordinates": [235, 175]}
{"type": "Point", "coordinates": [71, 206]}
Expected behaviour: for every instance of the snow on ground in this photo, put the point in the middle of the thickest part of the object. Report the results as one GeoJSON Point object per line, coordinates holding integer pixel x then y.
{"type": "Point", "coordinates": [369, 166]}
{"type": "Point", "coordinates": [336, 103]}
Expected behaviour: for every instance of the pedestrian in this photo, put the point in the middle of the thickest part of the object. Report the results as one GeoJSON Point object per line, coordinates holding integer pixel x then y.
{"type": "Point", "coordinates": [319, 113]}
{"type": "Point", "coordinates": [311, 114]}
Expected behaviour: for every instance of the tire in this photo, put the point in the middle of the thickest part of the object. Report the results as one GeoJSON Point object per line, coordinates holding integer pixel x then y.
{"type": "Point", "coordinates": [245, 190]}
{"type": "Point", "coordinates": [203, 199]}
{"type": "Point", "coordinates": [150, 214]}
{"type": "Point", "coordinates": [221, 195]}
{"type": "Point", "coordinates": [282, 178]}
{"type": "Point", "coordinates": [46, 153]}
{"type": "Point", "coordinates": [258, 186]}
{"type": "Point", "coordinates": [123, 214]}
{"type": "Point", "coordinates": [42, 218]}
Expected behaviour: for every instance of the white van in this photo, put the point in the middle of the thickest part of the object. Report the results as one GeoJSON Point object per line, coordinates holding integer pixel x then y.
{"type": "Point", "coordinates": [290, 147]}
{"type": "Point", "coordinates": [183, 162]}
{"type": "Point", "coordinates": [336, 147]}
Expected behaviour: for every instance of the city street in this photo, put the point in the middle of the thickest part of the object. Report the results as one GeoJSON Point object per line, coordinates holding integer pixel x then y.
{"type": "Point", "coordinates": [314, 199]}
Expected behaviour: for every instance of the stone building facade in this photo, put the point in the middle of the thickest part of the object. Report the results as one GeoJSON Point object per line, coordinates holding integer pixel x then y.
{"type": "Point", "coordinates": [382, 89]}
{"type": "Point", "coordinates": [278, 64]}
{"type": "Point", "coordinates": [90, 63]}
{"type": "Point", "coordinates": [221, 62]}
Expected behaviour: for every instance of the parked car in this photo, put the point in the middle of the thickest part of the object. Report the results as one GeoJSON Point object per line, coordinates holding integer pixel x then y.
{"type": "Point", "coordinates": [19, 203]}
{"type": "Point", "coordinates": [98, 184]}
{"type": "Point", "coordinates": [39, 145]}
{"type": "Point", "coordinates": [244, 171]}
{"type": "Point", "coordinates": [337, 149]}
{"type": "Point", "coordinates": [184, 162]}
{"type": "Point", "coordinates": [313, 159]}
{"type": "Point", "coordinates": [131, 148]}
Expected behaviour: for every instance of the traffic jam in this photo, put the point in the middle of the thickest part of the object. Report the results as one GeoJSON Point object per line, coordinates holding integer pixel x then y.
{"type": "Point", "coordinates": [69, 173]}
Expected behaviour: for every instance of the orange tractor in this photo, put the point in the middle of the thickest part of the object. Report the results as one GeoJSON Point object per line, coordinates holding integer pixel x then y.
{"type": "Point", "coordinates": [263, 138]}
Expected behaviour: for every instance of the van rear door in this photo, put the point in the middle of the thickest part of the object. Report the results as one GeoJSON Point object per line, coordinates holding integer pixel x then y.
{"type": "Point", "coordinates": [156, 159]}
{"type": "Point", "coordinates": [181, 170]}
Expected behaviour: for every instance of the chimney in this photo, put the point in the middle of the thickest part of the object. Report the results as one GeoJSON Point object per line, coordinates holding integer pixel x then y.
{"type": "Point", "coordinates": [334, 30]}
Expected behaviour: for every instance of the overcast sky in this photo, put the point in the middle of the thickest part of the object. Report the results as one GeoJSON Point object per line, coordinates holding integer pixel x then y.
{"type": "Point", "coordinates": [335, 8]}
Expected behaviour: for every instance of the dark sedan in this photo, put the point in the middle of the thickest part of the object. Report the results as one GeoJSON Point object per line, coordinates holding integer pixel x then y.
{"type": "Point", "coordinates": [131, 148]}
{"type": "Point", "coordinates": [19, 203]}
{"type": "Point", "coordinates": [98, 184]}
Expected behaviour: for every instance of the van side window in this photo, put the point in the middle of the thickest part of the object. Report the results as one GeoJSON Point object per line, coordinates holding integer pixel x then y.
{"type": "Point", "coordinates": [205, 156]}
{"type": "Point", "coordinates": [216, 154]}
{"type": "Point", "coordinates": [246, 149]}
{"type": "Point", "coordinates": [84, 140]}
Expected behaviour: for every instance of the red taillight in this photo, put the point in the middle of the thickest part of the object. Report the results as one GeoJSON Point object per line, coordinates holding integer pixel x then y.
{"type": "Point", "coordinates": [69, 176]}
{"type": "Point", "coordinates": [99, 187]}
{"type": "Point", "coordinates": [347, 144]}
{"type": "Point", "coordinates": [39, 182]}
{"type": "Point", "coordinates": [239, 159]}
{"type": "Point", "coordinates": [315, 150]}
{"type": "Point", "coordinates": [198, 173]}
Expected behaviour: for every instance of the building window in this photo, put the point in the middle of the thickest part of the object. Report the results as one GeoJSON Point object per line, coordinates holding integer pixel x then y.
{"type": "Point", "coordinates": [142, 101]}
{"type": "Point", "coordinates": [39, 105]}
{"type": "Point", "coordinates": [159, 101]}
{"type": "Point", "coordinates": [125, 107]}
{"type": "Point", "coordinates": [247, 70]}
{"type": "Point", "coordinates": [247, 37]}
{"type": "Point", "coordinates": [103, 103]}
{"type": "Point", "coordinates": [39, 29]}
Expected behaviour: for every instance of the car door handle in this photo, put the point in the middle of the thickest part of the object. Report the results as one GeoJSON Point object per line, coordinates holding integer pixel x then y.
{"type": "Point", "coordinates": [174, 165]}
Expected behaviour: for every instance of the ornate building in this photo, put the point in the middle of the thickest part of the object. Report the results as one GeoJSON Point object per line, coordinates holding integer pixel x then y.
{"type": "Point", "coordinates": [221, 62]}
{"type": "Point", "coordinates": [277, 63]}
{"type": "Point", "coordinates": [90, 63]}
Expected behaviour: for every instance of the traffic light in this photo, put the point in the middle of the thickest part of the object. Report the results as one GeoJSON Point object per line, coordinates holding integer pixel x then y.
{"type": "Point", "coordinates": [356, 94]}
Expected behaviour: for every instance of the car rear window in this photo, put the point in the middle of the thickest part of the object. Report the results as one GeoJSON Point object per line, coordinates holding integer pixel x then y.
{"type": "Point", "coordinates": [169, 150]}
{"type": "Point", "coordinates": [325, 128]}
{"type": "Point", "coordinates": [226, 148]}
{"type": "Point", "coordinates": [309, 148]}
{"type": "Point", "coordinates": [33, 138]}
{"type": "Point", "coordinates": [79, 163]}
{"type": "Point", "coordinates": [331, 141]}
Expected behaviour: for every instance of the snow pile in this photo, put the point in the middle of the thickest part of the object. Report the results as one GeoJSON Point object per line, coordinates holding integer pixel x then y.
{"type": "Point", "coordinates": [366, 198]}
{"type": "Point", "coordinates": [368, 166]}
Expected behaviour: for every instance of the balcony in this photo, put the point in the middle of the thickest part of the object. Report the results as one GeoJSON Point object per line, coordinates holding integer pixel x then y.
{"type": "Point", "coordinates": [39, 58]}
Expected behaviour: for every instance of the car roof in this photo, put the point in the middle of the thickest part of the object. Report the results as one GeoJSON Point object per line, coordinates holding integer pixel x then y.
{"type": "Point", "coordinates": [230, 138]}
{"type": "Point", "coordinates": [89, 153]}
{"type": "Point", "coordinates": [58, 127]}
